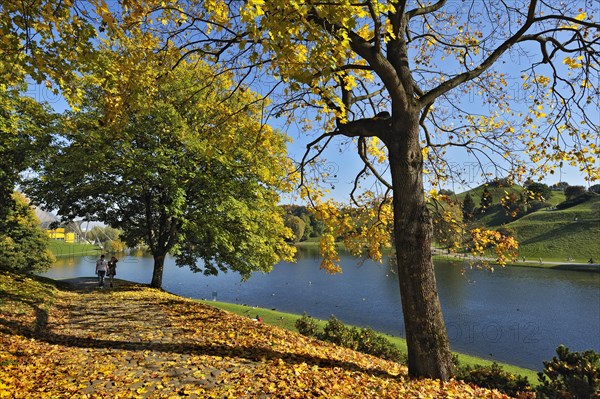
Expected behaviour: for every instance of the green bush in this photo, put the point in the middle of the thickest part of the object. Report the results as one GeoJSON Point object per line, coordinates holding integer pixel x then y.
{"type": "Point", "coordinates": [364, 340]}
{"type": "Point", "coordinates": [335, 331]}
{"type": "Point", "coordinates": [570, 375]}
{"type": "Point", "coordinates": [307, 326]}
{"type": "Point", "coordinates": [24, 246]}
{"type": "Point", "coordinates": [374, 344]}
{"type": "Point", "coordinates": [494, 377]}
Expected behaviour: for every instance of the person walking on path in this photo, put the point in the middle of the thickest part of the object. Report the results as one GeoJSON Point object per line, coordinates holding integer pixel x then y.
{"type": "Point", "coordinates": [112, 269]}
{"type": "Point", "coordinates": [101, 267]}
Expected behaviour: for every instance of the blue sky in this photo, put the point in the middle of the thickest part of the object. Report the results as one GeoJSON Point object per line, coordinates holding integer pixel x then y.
{"type": "Point", "coordinates": [340, 159]}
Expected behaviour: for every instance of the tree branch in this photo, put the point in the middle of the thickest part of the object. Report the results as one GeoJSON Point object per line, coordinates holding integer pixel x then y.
{"type": "Point", "coordinates": [448, 85]}
{"type": "Point", "coordinates": [425, 10]}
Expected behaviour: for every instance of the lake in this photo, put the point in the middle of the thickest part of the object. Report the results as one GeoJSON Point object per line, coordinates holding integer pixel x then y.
{"type": "Point", "coordinates": [516, 315]}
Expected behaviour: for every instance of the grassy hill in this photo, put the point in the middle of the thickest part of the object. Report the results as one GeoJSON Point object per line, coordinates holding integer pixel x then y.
{"type": "Point", "coordinates": [495, 215]}
{"type": "Point", "coordinates": [572, 233]}
{"type": "Point", "coordinates": [549, 233]}
{"type": "Point", "coordinates": [496, 191]}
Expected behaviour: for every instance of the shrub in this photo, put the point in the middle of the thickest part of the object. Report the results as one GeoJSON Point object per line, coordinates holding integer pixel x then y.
{"type": "Point", "coordinates": [570, 375]}
{"type": "Point", "coordinates": [495, 377]}
{"type": "Point", "coordinates": [335, 331]}
{"type": "Point", "coordinates": [374, 344]}
{"type": "Point", "coordinates": [24, 246]}
{"type": "Point", "coordinates": [364, 340]}
{"type": "Point", "coordinates": [307, 326]}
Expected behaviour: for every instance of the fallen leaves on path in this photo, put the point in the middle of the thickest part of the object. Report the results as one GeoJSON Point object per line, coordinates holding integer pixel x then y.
{"type": "Point", "coordinates": [136, 342]}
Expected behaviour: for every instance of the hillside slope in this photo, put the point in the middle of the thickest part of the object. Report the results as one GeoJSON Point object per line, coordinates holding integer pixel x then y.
{"type": "Point", "coordinates": [75, 340]}
{"type": "Point", "coordinates": [552, 234]}
{"type": "Point", "coordinates": [572, 233]}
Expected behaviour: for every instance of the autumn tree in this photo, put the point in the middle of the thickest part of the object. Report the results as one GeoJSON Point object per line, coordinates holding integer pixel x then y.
{"type": "Point", "coordinates": [187, 171]}
{"type": "Point", "coordinates": [404, 82]}
{"type": "Point", "coordinates": [398, 74]}
{"type": "Point", "coordinates": [25, 130]}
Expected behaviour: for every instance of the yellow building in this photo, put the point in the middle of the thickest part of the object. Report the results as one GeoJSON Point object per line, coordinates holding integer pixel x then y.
{"type": "Point", "coordinates": [59, 234]}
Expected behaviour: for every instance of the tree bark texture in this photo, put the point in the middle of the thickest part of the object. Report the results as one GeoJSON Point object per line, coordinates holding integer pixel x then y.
{"type": "Point", "coordinates": [427, 340]}
{"type": "Point", "coordinates": [157, 273]}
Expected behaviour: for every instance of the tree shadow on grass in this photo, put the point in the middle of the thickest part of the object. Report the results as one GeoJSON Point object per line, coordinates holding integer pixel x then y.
{"type": "Point", "coordinates": [40, 315]}
{"type": "Point", "coordinates": [252, 354]}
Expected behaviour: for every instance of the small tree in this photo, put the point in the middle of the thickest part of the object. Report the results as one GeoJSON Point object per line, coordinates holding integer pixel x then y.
{"type": "Point", "coordinates": [486, 200]}
{"type": "Point", "coordinates": [24, 246]}
{"type": "Point", "coordinates": [539, 191]}
{"type": "Point", "coordinates": [468, 208]}
{"type": "Point", "coordinates": [570, 375]}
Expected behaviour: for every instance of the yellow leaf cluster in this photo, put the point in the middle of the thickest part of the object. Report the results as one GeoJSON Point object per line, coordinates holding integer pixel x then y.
{"type": "Point", "coordinates": [505, 247]}
{"type": "Point", "coordinates": [573, 63]}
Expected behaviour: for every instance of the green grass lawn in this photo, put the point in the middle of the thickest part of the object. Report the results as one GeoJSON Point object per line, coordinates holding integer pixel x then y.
{"type": "Point", "coordinates": [60, 248]}
{"type": "Point", "coordinates": [559, 235]}
{"type": "Point", "coordinates": [288, 320]}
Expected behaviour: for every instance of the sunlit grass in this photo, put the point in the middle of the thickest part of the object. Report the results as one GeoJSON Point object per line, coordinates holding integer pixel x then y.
{"type": "Point", "coordinates": [60, 248]}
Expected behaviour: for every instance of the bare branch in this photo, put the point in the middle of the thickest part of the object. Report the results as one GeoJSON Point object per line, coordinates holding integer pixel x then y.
{"type": "Point", "coordinates": [448, 85]}
{"type": "Point", "coordinates": [362, 152]}
{"type": "Point", "coordinates": [425, 10]}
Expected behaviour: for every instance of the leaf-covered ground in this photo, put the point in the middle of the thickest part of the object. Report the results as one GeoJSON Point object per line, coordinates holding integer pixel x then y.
{"type": "Point", "coordinates": [77, 341]}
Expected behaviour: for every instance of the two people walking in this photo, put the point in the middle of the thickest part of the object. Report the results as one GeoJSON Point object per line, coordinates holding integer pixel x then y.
{"type": "Point", "coordinates": [104, 268]}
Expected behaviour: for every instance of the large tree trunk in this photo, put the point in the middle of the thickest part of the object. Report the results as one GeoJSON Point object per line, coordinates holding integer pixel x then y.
{"type": "Point", "coordinates": [428, 346]}
{"type": "Point", "coordinates": [157, 273]}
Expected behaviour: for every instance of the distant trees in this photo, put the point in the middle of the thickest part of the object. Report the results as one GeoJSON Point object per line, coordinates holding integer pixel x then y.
{"type": "Point", "coordinates": [560, 186]}
{"type": "Point", "coordinates": [539, 191]}
{"type": "Point", "coordinates": [468, 208]}
{"type": "Point", "coordinates": [313, 227]}
{"type": "Point", "coordinates": [574, 191]}
{"type": "Point", "coordinates": [595, 189]}
{"type": "Point", "coordinates": [446, 192]}
{"type": "Point", "coordinates": [297, 225]}
{"type": "Point", "coordinates": [106, 236]}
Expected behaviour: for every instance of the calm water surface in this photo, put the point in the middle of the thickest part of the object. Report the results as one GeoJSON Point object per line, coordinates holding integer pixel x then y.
{"type": "Point", "coordinates": [515, 315]}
